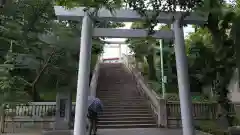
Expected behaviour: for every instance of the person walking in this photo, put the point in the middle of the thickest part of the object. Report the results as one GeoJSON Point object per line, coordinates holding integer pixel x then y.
{"type": "Point", "coordinates": [95, 108]}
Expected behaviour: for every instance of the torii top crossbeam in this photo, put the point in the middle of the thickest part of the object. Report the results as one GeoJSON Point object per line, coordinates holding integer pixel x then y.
{"type": "Point", "coordinates": [125, 15]}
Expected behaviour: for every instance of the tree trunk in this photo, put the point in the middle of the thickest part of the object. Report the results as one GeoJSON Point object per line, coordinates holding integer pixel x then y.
{"type": "Point", "coordinates": [226, 70]}
{"type": "Point", "coordinates": [33, 93]}
{"type": "Point", "coordinates": [151, 66]}
{"type": "Point", "coordinates": [235, 32]}
{"type": "Point", "coordinates": [36, 96]}
{"type": "Point", "coordinates": [225, 107]}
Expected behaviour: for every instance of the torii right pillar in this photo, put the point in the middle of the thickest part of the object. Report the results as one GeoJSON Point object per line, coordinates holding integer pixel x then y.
{"type": "Point", "coordinates": [183, 80]}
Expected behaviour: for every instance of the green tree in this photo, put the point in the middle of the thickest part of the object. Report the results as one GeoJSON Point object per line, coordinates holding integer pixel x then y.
{"type": "Point", "coordinates": [143, 48]}
{"type": "Point", "coordinates": [168, 60]}
{"type": "Point", "coordinates": [220, 18]}
{"type": "Point", "coordinates": [40, 45]}
{"type": "Point", "coordinates": [201, 58]}
{"type": "Point", "coordinates": [217, 58]}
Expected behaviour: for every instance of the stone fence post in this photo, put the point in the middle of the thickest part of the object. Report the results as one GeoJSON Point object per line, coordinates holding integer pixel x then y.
{"type": "Point", "coordinates": [162, 113]}
{"type": "Point", "coordinates": [2, 118]}
{"type": "Point", "coordinates": [63, 111]}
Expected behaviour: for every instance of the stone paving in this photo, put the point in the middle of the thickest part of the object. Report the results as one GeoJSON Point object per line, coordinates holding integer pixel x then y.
{"type": "Point", "coordinates": [136, 131]}
{"type": "Point", "coordinates": [143, 131]}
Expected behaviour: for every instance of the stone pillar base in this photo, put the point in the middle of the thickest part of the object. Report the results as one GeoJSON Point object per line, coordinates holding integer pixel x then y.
{"type": "Point", "coordinates": [234, 130]}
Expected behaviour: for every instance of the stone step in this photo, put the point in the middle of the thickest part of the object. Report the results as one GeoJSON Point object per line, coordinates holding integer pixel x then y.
{"type": "Point", "coordinates": [123, 99]}
{"type": "Point", "coordinates": [127, 122]}
{"type": "Point", "coordinates": [123, 93]}
{"type": "Point", "coordinates": [126, 82]}
{"type": "Point", "coordinates": [120, 101]}
{"type": "Point", "coordinates": [115, 81]}
{"type": "Point", "coordinates": [126, 118]}
{"type": "Point", "coordinates": [117, 90]}
{"type": "Point", "coordinates": [125, 110]}
{"type": "Point", "coordinates": [144, 111]}
{"type": "Point", "coordinates": [124, 115]}
{"type": "Point", "coordinates": [114, 91]}
{"type": "Point", "coordinates": [106, 126]}
{"type": "Point", "coordinates": [123, 103]}
{"type": "Point", "coordinates": [119, 94]}
{"type": "Point", "coordinates": [111, 105]}
{"type": "Point", "coordinates": [106, 102]}
{"type": "Point", "coordinates": [126, 107]}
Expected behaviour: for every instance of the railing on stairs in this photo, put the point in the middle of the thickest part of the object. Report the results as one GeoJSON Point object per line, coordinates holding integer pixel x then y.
{"type": "Point", "coordinates": [157, 104]}
{"type": "Point", "coordinates": [168, 112]}
{"type": "Point", "coordinates": [94, 80]}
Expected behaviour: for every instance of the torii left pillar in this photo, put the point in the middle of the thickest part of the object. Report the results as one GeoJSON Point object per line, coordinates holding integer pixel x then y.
{"type": "Point", "coordinates": [82, 82]}
{"type": "Point", "coordinates": [83, 74]}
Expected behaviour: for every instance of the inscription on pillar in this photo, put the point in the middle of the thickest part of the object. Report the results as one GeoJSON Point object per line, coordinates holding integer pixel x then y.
{"type": "Point", "coordinates": [62, 107]}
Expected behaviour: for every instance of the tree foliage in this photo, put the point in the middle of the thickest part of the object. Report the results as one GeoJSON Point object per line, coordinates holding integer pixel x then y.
{"type": "Point", "coordinates": [35, 49]}
{"type": "Point", "coordinates": [31, 49]}
{"type": "Point", "coordinates": [214, 57]}
{"type": "Point", "coordinates": [213, 50]}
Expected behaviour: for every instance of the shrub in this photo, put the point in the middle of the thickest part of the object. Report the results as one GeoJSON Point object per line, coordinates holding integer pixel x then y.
{"type": "Point", "coordinates": [210, 127]}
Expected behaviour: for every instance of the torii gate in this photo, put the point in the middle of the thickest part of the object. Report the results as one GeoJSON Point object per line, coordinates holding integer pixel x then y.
{"type": "Point", "coordinates": [128, 15]}
{"type": "Point", "coordinates": [117, 44]}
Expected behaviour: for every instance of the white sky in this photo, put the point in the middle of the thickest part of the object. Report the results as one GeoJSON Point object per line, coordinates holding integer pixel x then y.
{"type": "Point", "coordinates": [114, 52]}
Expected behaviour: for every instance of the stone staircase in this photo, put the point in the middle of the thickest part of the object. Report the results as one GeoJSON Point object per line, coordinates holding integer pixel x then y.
{"type": "Point", "coordinates": [123, 105]}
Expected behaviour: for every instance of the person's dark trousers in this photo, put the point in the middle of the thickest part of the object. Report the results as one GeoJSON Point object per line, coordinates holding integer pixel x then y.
{"type": "Point", "coordinates": [93, 119]}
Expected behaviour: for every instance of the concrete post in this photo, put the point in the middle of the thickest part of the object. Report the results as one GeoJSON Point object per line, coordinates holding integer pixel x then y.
{"type": "Point", "coordinates": [57, 115]}
{"type": "Point", "coordinates": [162, 113]}
{"type": "Point", "coordinates": [183, 80]}
{"type": "Point", "coordinates": [83, 75]}
{"type": "Point", "coordinates": [63, 111]}
{"type": "Point", "coordinates": [69, 108]}
{"type": "Point", "coordinates": [2, 118]}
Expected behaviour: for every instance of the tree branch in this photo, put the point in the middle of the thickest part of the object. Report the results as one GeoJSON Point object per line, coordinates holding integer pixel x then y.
{"type": "Point", "coordinates": [44, 67]}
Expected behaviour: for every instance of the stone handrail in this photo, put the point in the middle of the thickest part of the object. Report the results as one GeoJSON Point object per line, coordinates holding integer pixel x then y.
{"type": "Point", "coordinates": [94, 80]}
{"type": "Point", "coordinates": [157, 104]}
